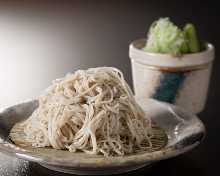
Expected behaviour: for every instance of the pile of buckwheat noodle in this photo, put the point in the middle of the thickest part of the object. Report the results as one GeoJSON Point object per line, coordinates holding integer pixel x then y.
{"type": "Point", "coordinates": [92, 111]}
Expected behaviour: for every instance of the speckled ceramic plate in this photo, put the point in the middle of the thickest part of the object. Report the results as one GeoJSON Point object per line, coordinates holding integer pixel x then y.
{"type": "Point", "coordinates": [184, 131]}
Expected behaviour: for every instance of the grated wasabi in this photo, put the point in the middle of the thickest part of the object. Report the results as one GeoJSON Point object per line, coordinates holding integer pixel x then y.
{"type": "Point", "coordinates": [165, 37]}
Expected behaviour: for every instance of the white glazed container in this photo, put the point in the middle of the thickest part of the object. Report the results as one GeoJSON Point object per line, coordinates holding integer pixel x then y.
{"type": "Point", "coordinates": [183, 80]}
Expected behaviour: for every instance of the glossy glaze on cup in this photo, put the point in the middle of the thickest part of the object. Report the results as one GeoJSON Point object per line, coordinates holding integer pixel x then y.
{"type": "Point", "coordinates": [180, 80]}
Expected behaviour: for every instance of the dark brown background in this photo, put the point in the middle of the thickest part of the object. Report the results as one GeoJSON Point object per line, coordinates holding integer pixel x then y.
{"type": "Point", "coordinates": [43, 40]}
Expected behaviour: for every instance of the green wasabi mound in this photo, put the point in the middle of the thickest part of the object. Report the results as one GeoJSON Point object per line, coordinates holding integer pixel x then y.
{"type": "Point", "coordinates": [166, 37]}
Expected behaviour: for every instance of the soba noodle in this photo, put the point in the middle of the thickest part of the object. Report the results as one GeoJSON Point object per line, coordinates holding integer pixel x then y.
{"type": "Point", "coordinates": [93, 111]}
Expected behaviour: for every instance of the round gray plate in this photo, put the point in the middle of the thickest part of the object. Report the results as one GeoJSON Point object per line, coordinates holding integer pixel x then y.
{"type": "Point", "coordinates": [184, 131]}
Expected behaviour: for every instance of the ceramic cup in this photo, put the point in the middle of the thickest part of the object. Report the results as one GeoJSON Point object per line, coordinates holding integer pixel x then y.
{"type": "Point", "coordinates": [182, 80]}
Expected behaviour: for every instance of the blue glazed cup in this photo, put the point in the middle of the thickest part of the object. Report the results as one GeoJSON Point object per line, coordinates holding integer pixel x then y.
{"type": "Point", "coordinates": [182, 80]}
